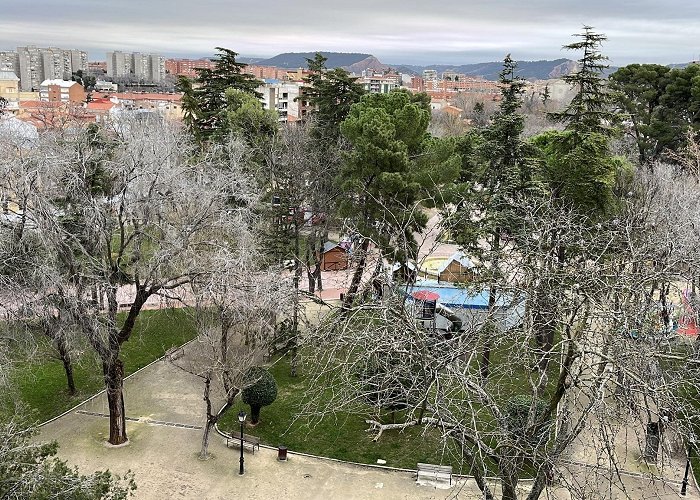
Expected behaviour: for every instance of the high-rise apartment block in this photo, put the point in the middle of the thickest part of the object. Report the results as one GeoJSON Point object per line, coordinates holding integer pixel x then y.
{"type": "Point", "coordinates": [146, 67]}
{"type": "Point", "coordinates": [33, 64]}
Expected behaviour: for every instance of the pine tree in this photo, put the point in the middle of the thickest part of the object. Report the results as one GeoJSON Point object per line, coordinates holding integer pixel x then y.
{"type": "Point", "coordinates": [330, 93]}
{"type": "Point", "coordinates": [204, 103]}
{"type": "Point", "coordinates": [590, 109]}
{"type": "Point", "coordinates": [384, 179]}
{"type": "Point", "coordinates": [504, 174]}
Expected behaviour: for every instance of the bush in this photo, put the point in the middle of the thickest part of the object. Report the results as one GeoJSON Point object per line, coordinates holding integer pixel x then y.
{"type": "Point", "coordinates": [260, 390]}
{"type": "Point", "coordinates": [516, 415]}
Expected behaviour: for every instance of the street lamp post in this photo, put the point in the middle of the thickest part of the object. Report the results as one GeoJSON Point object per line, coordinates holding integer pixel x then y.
{"type": "Point", "coordinates": [684, 484]}
{"type": "Point", "coordinates": [241, 419]}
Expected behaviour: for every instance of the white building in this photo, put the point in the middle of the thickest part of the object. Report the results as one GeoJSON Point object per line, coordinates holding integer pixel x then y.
{"type": "Point", "coordinates": [282, 97]}
{"type": "Point", "coordinates": [379, 84]}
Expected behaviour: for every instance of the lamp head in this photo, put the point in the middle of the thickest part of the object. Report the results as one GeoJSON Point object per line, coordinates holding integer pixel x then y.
{"type": "Point", "coordinates": [241, 416]}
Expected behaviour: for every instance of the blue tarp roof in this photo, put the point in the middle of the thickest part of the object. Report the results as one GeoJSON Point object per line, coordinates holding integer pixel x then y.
{"type": "Point", "coordinates": [458, 297]}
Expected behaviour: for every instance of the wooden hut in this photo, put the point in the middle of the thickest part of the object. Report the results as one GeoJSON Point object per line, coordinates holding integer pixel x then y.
{"type": "Point", "coordinates": [404, 272]}
{"type": "Point", "coordinates": [334, 257]}
{"type": "Point", "coordinates": [458, 268]}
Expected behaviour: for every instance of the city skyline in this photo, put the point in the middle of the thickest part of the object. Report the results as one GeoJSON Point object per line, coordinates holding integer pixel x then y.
{"type": "Point", "coordinates": [448, 32]}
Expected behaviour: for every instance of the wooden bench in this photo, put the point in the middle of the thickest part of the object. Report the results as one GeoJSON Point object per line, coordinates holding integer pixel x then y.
{"type": "Point", "coordinates": [433, 472]}
{"type": "Point", "coordinates": [174, 353]}
{"type": "Point", "coordinates": [248, 441]}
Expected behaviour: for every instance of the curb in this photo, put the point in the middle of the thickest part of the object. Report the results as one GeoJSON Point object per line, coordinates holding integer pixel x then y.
{"type": "Point", "coordinates": [103, 390]}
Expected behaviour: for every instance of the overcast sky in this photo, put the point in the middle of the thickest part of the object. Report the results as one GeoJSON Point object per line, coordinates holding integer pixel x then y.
{"type": "Point", "coordinates": [396, 31]}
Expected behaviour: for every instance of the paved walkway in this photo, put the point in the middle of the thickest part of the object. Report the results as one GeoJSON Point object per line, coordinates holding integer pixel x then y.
{"type": "Point", "coordinates": [165, 409]}
{"type": "Point", "coordinates": [164, 456]}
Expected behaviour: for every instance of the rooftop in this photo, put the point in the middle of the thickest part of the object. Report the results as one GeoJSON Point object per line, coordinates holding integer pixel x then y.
{"type": "Point", "coordinates": [60, 83]}
{"type": "Point", "coordinates": [8, 75]}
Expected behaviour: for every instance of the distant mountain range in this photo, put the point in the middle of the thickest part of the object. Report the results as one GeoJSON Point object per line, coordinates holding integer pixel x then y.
{"type": "Point", "coordinates": [355, 62]}
{"type": "Point", "coordinates": [358, 62]}
{"type": "Point", "coordinates": [529, 70]}
{"type": "Point", "coordinates": [294, 60]}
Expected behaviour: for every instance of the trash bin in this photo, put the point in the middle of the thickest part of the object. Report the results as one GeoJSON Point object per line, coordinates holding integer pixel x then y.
{"type": "Point", "coordinates": [282, 453]}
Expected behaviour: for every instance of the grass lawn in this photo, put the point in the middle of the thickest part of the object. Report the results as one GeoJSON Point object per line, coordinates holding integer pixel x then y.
{"type": "Point", "coordinates": [41, 382]}
{"type": "Point", "coordinates": [344, 435]}
{"type": "Point", "coordinates": [341, 437]}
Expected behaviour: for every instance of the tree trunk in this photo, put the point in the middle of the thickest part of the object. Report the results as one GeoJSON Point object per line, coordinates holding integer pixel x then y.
{"type": "Point", "coordinates": [476, 467]}
{"type": "Point", "coordinates": [254, 414]}
{"type": "Point", "coordinates": [211, 420]}
{"type": "Point", "coordinates": [485, 360]}
{"type": "Point", "coordinates": [114, 380]}
{"type": "Point", "coordinates": [68, 368]}
{"type": "Point", "coordinates": [653, 438]}
{"type": "Point", "coordinates": [544, 477]}
{"type": "Point", "coordinates": [486, 353]}
{"type": "Point", "coordinates": [510, 488]}
{"type": "Point", "coordinates": [64, 354]}
{"type": "Point", "coordinates": [204, 452]}
{"type": "Point", "coordinates": [310, 252]}
{"type": "Point", "coordinates": [509, 468]}
{"type": "Point", "coordinates": [295, 318]}
{"type": "Point", "coordinates": [544, 323]}
{"type": "Point", "coordinates": [357, 276]}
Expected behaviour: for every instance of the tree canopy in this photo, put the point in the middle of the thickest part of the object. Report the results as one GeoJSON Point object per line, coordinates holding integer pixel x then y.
{"type": "Point", "coordinates": [330, 94]}
{"type": "Point", "coordinates": [204, 103]}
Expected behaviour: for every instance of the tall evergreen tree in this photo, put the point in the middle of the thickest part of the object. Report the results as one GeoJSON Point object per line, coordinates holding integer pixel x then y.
{"type": "Point", "coordinates": [638, 92]}
{"type": "Point", "coordinates": [503, 173]}
{"type": "Point", "coordinates": [330, 93]}
{"type": "Point", "coordinates": [204, 103]}
{"type": "Point", "coordinates": [589, 110]}
{"type": "Point", "coordinates": [579, 167]}
{"type": "Point", "coordinates": [384, 179]}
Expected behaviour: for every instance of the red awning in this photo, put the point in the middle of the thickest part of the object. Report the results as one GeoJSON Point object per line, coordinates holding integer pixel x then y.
{"type": "Point", "coordinates": [425, 295]}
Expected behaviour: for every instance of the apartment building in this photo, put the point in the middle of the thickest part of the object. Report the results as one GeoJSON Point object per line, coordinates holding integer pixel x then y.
{"type": "Point", "coordinates": [9, 61]}
{"type": "Point", "coordinates": [187, 67]}
{"type": "Point", "coordinates": [63, 91]}
{"type": "Point", "coordinates": [430, 75]}
{"type": "Point", "coordinates": [9, 89]}
{"type": "Point", "coordinates": [145, 67]}
{"type": "Point", "coordinates": [118, 64]}
{"type": "Point", "coordinates": [166, 105]}
{"type": "Point", "coordinates": [266, 72]}
{"type": "Point", "coordinates": [35, 64]}
{"type": "Point", "coordinates": [379, 83]}
{"type": "Point", "coordinates": [287, 98]}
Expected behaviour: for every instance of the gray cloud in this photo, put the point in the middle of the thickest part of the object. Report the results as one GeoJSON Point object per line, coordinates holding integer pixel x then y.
{"type": "Point", "coordinates": [446, 31]}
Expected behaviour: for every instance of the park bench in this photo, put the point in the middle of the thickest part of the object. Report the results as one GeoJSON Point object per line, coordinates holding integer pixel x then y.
{"type": "Point", "coordinates": [174, 353]}
{"type": "Point", "coordinates": [433, 472]}
{"type": "Point", "coordinates": [248, 441]}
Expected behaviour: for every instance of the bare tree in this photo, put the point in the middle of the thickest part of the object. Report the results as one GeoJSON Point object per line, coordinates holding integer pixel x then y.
{"type": "Point", "coordinates": [235, 312]}
{"type": "Point", "coordinates": [613, 368]}
{"type": "Point", "coordinates": [303, 196]}
{"type": "Point", "coordinates": [133, 208]}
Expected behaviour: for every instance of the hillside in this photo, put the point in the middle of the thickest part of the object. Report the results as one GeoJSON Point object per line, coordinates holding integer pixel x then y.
{"type": "Point", "coordinates": [530, 70]}
{"type": "Point", "coordinates": [357, 62]}
{"type": "Point", "coordinates": [293, 60]}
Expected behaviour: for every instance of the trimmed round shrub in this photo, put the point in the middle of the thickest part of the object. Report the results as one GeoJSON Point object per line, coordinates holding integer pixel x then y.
{"type": "Point", "coordinates": [260, 390]}
{"type": "Point", "coordinates": [516, 415]}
